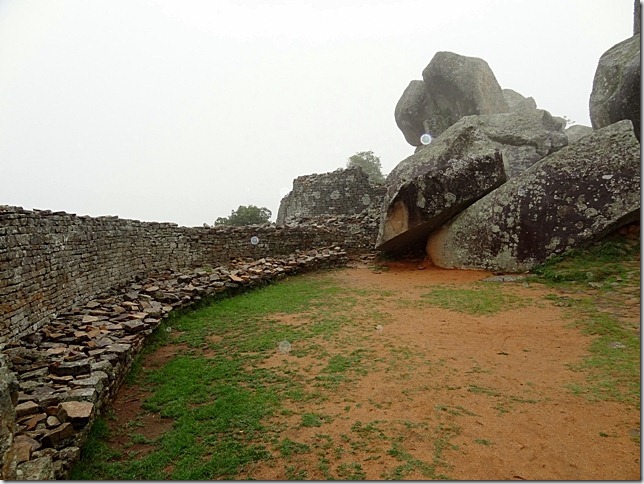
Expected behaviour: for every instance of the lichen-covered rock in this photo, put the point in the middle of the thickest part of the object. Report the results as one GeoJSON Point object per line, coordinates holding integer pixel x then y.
{"type": "Point", "coordinates": [459, 86]}
{"type": "Point", "coordinates": [523, 138]}
{"type": "Point", "coordinates": [567, 200]}
{"type": "Point", "coordinates": [517, 102]}
{"type": "Point", "coordinates": [576, 132]}
{"type": "Point", "coordinates": [433, 185]}
{"type": "Point", "coordinates": [40, 469]}
{"type": "Point", "coordinates": [616, 86]}
{"type": "Point", "coordinates": [637, 16]}
{"type": "Point", "coordinates": [453, 86]}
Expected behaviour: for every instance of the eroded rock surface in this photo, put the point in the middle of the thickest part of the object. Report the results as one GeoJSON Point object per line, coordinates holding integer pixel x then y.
{"type": "Point", "coordinates": [517, 102]}
{"type": "Point", "coordinates": [569, 199]}
{"type": "Point", "coordinates": [453, 86]}
{"type": "Point", "coordinates": [616, 87]}
{"type": "Point", "coordinates": [577, 131]}
{"type": "Point", "coordinates": [434, 184]}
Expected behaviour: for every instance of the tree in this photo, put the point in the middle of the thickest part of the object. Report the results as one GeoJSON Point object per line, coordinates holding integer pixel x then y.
{"type": "Point", "coordinates": [369, 163]}
{"type": "Point", "coordinates": [246, 215]}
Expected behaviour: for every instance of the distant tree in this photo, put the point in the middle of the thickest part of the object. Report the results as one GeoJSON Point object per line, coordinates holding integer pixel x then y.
{"type": "Point", "coordinates": [569, 122]}
{"type": "Point", "coordinates": [369, 163]}
{"type": "Point", "coordinates": [246, 215]}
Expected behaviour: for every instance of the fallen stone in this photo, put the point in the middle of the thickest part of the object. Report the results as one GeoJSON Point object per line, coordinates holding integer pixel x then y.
{"type": "Point", "coordinates": [32, 422]}
{"type": "Point", "coordinates": [134, 326]}
{"type": "Point", "coordinates": [72, 368]}
{"type": "Point", "coordinates": [82, 394]}
{"type": "Point", "coordinates": [23, 447]}
{"type": "Point", "coordinates": [91, 319]}
{"type": "Point", "coordinates": [52, 421]}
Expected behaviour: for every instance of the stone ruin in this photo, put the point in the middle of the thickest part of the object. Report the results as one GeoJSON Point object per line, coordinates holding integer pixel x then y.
{"type": "Point", "coordinates": [79, 295]}
{"type": "Point", "coordinates": [344, 192]}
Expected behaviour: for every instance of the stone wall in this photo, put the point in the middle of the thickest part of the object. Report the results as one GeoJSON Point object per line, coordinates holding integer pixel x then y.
{"type": "Point", "coordinates": [72, 367]}
{"type": "Point", "coordinates": [341, 192]}
{"type": "Point", "coordinates": [62, 279]}
{"type": "Point", "coordinates": [50, 261]}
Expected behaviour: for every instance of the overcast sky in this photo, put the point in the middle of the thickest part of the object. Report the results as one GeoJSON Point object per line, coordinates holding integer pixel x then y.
{"type": "Point", "coordinates": [182, 110]}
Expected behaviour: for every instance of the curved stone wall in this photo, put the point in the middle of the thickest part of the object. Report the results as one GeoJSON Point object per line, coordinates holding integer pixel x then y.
{"type": "Point", "coordinates": [50, 261]}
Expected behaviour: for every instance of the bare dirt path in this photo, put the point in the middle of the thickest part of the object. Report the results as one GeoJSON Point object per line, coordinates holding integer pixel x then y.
{"type": "Point", "coordinates": [449, 394]}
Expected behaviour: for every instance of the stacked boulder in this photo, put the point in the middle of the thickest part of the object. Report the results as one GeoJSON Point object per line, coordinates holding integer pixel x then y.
{"type": "Point", "coordinates": [567, 200]}
{"type": "Point", "coordinates": [616, 86]}
{"type": "Point", "coordinates": [453, 86]}
{"type": "Point", "coordinates": [502, 185]}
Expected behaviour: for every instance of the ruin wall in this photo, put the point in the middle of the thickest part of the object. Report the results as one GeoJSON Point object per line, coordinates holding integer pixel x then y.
{"type": "Point", "coordinates": [51, 261]}
{"type": "Point", "coordinates": [341, 192]}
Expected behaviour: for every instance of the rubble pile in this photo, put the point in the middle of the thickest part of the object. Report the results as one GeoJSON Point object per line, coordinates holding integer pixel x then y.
{"type": "Point", "coordinates": [69, 369]}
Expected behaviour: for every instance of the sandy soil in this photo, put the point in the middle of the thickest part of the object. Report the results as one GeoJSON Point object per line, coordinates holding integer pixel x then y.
{"type": "Point", "coordinates": [474, 397]}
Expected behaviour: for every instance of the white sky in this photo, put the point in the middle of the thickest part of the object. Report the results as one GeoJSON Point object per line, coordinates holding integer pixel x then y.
{"type": "Point", "coordinates": [182, 110]}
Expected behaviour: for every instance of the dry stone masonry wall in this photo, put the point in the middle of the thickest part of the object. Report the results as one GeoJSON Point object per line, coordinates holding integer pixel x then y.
{"type": "Point", "coordinates": [71, 368]}
{"type": "Point", "coordinates": [50, 261]}
{"type": "Point", "coordinates": [341, 192]}
{"type": "Point", "coordinates": [79, 295]}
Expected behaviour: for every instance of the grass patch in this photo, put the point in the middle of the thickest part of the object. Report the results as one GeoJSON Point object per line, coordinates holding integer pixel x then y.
{"type": "Point", "coordinates": [314, 420]}
{"type": "Point", "coordinates": [611, 268]}
{"type": "Point", "coordinates": [610, 260]}
{"type": "Point", "coordinates": [218, 403]}
{"type": "Point", "coordinates": [479, 300]}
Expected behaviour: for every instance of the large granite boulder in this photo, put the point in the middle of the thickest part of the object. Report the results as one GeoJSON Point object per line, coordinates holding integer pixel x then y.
{"type": "Point", "coordinates": [410, 112]}
{"type": "Point", "coordinates": [431, 186]}
{"type": "Point", "coordinates": [523, 138]}
{"type": "Point", "coordinates": [616, 86]}
{"type": "Point", "coordinates": [576, 132]}
{"type": "Point", "coordinates": [571, 198]}
{"type": "Point", "coordinates": [453, 86]}
{"type": "Point", "coordinates": [637, 17]}
{"type": "Point", "coordinates": [518, 102]}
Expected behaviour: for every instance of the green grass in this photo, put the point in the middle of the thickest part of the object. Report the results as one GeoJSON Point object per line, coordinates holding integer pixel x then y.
{"type": "Point", "coordinates": [228, 409]}
{"type": "Point", "coordinates": [483, 442]}
{"type": "Point", "coordinates": [606, 261]}
{"type": "Point", "coordinates": [314, 420]}
{"type": "Point", "coordinates": [611, 269]}
{"type": "Point", "coordinates": [218, 403]}
{"type": "Point", "coordinates": [218, 395]}
{"type": "Point", "coordinates": [481, 299]}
